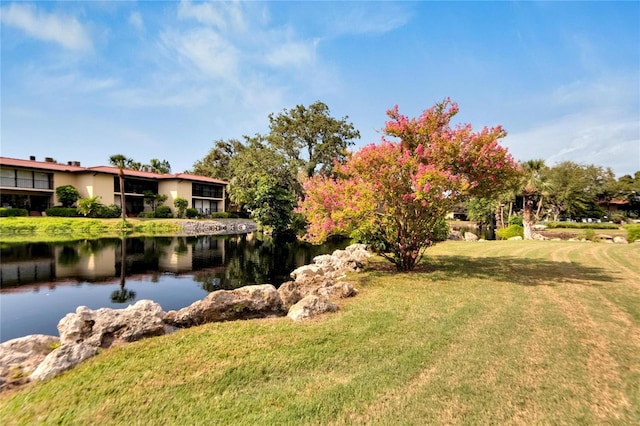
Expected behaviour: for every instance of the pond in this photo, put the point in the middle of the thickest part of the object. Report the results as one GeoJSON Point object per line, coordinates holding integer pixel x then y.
{"type": "Point", "coordinates": [40, 283]}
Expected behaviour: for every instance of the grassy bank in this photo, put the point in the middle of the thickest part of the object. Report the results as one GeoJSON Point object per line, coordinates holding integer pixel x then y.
{"type": "Point", "coordinates": [529, 332]}
{"type": "Point", "coordinates": [51, 229]}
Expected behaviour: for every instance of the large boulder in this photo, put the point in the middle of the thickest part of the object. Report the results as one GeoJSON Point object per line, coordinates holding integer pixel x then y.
{"type": "Point", "coordinates": [306, 272]}
{"type": "Point", "coordinates": [20, 357]}
{"type": "Point", "coordinates": [292, 292]}
{"type": "Point", "coordinates": [470, 236]}
{"type": "Point", "coordinates": [311, 306]}
{"type": "Point", "coordinates": [254, 301]}
{"type": "Point", "coordinates": [62, 359]}
{"type": "Point", "coordinates": [106, 327]}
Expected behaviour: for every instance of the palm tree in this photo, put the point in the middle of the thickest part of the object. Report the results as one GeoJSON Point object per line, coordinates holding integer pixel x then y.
{"type": "Point", "coordinates": [120, 161]}
{"type": "Point", "coordinates": [533, 186]}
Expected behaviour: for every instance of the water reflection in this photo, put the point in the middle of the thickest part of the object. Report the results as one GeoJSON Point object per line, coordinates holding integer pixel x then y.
{"type": "Point", "coordinates": [41, 283]}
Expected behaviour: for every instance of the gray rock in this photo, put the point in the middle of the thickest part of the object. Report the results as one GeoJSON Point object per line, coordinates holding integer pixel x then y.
{"type": "Point", "coordinates": [62, 359]}
{"type": "Point", "coordinates": [311, 306]}
{"type": "Point", "coordinates": [620, 240]}
{"type": "Point", "coordinates": [105, 327]}
{"type": "Point", "coordinates": [455, 236]}
{"type": "Point", "coordinates": [338, 290]}
{"type": "Point", "coordinates": [306, 272]}
{"type": "Point", "coordinates": [20, 357]}
{"type": "Point", "coordinates": [255, 301]}
{"type": "Point", "coordinates": [470, 236]}
{"type": "Point", "coordinates": [518, 238]}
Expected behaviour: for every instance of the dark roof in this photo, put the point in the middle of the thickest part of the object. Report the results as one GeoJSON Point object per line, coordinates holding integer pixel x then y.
{"type": "Point", "coordinates": [44, 165]}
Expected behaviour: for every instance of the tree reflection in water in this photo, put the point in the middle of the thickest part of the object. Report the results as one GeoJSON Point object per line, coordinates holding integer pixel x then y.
{"type": "Point", "coordinates": [123, 295]}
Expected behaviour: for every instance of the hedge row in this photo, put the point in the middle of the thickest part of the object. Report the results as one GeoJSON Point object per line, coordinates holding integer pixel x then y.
{"type": "Point", "coordinates": [581, 225]}
{"type": "Point", "coordinates": [12, 212]}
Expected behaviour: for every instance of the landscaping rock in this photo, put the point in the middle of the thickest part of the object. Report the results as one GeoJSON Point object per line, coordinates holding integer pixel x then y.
{"type": "Point", "coordinates": [62, 359]}
{"type": "Point", "coordinates": [470, 236]}
{"type": "Point", "coordinates": [620, 240]}
{"type": "Point", "coordinates": [255, 301]}
{"type": "Point", "coordinates": [106, 327]}
{"type": "Point", "coordinates": [306, 272]}
{"type": "Point", "coordinates": [455, 236]}
{"type": "Point", "coordinates": [20, 357]}
{"type": "Point", "coordinates": [518, 238]}
{"type": "Point", "coordinates": [311, 306]}
{"type": "Point", "coordinates": [338, 290]}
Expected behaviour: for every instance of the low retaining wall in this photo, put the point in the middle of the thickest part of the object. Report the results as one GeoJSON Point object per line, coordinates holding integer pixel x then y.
{"type": "Point", "coordinates": [218, 227]}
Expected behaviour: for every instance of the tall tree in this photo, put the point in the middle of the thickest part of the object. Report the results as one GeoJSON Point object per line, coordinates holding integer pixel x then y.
{"type": "Point", "coordinates": [311, 137]}
{"type": "Point", "coordinates": [158, 166]}
{"type": "Point", "coordinates": [532, 189]}
{"type": "Point", "coordinates": [395, 195]}
{"type": "Point", "coordinates": [121, 162]}
{"type": "Point", "coordinates": [216, 163]}
{"type": "Point", "coordinates": [263, 183]}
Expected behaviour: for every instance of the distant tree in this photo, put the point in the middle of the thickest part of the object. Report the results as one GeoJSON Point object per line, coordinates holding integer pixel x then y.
{"type": "Point", "coordinates": [160, 167]}
{"type": "Point", "coordinates": [154, 200]}
{"type": "Point", "coordinates": [121, 162]}
{"type": "Point", "coordinates": [263, 184]}
{"type": "Point", "coordinates": [482, 210]}
{"type": "Point", "coordinates": [216, 163]}
{"type": "Point", "coordinates": [532, 188]}
{"type": "Point", "coordinates": [67, 195]}
{"type": "Point", "coordinates": [311, 137]}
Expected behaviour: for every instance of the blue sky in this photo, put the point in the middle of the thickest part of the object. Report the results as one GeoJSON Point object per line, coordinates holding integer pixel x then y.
{"type": "Point", "coordinates": [86, 80]}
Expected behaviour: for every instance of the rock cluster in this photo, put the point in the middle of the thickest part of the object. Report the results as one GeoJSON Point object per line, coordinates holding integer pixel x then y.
{"type": "Point", "coordinates": [313, 290]}
{"type": "Point", "coordinates": [212, 227]}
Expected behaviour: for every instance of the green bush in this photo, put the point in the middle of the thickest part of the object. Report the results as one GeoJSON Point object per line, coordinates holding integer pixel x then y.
{"type": "Point", "coordinates": [181, 204]}
{"type": "Point", "coordinates": [147, 215]}
{"type": "Point", "coordinates": [633, 233]}
{"type": "Point", "coordinates": [510, 232]}
{"type": "Point", "coordinates": [191, 213]}
{"type": "Point", "coordinates": [220, 215]}
{"type": "Point", "coordinates": [108, 212]}
{"type": "Point", "coordinates": [515, 220]}
{"type": "Point", "coordinates": [11, 212]}
{"type": "Point", "coordinates": [590, 235]}
{"type": "Point", "coordinates": [67, 195]}
{"type": "Point", "coordinates": [62, 212]}
{"type": "Point", "coordinates": [581, 225]}
{"type": "Point", "coordinates": [163, 212]}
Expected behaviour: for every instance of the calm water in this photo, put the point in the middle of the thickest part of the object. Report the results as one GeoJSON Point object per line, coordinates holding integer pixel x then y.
{"type": "Point", "coordinates": [40, 283]}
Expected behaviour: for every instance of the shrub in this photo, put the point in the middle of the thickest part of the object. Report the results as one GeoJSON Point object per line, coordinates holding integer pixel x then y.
{"type": "Point", "coordinates": [510, 231]}
{"type": "Point", "coordinates": [163, 212]}
{"type": "Point", "coordinates": [181, 204]}
{"type": "Point", "coordinates": [62, 212]}
{"type": "Point", "coordinates": [633, 233]}
{"type": "Point", "coordinates": [89, 206]}
{"type": "Point", "coordinates": [11, 211]}
{"type": "Point", "coordinates": [220, 215]}
{"type": "Point", "coordinates": [148, 215]}
{"type": "Point", "coordinates": [67, 195]}
{"type": "Point", "coordinates": [515, 220]}
{"type": "Point", "coordinates": [581, 225]}
{"type": "Point", "coordinates": [191, 213]}
{"type": "Point", "coordinates": [108, 212]}
{"type": "Point", "coordinates": [590, 235]}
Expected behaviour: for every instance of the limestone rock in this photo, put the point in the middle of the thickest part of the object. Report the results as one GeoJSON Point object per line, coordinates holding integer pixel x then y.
{"type": "Point", "coordinates": [311, 306]}
{"type": "Point", "coordinates": [306, 272]}
{"type": "Point", "coordinates": [20, 357]}
{"type": "Point", "coordinates": [338, 290]}
{"type": "Point", "coordinates": [620, 240]}
{"type": "Point", "coordinates": [62, 359]}
{"type": "Point", "coordinates": [517, 238]}
{"type": "Point", "coordinates": [470, 236]}
{"type": "Point", "coordinates": [254, 301]}
{"type": "Point", "coordinates": [455, 236]}
{"type": "Point", "coordinates": [105, 327]}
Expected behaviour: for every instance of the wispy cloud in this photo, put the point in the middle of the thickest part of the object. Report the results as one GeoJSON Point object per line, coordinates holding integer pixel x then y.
{"type": "Point", "coordinates": [66, 31]}
{"type": "Point", "coordinates": [135, 19]}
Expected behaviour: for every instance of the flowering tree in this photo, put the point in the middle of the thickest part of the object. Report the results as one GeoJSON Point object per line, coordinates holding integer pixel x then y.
{"type": "Point", "coordinates": [395, 195]}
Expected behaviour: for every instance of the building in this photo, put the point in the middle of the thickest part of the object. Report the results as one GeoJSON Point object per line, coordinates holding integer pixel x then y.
{"type": "Point", "coordinates": [31, 184]}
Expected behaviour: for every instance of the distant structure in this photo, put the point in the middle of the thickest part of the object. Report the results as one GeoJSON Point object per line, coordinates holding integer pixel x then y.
{"type": "Point", "coordinates": [31, 184]}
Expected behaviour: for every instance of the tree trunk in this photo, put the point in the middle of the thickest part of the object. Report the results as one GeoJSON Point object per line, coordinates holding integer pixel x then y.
{"type": "Point", "coordinates": [527, 217]}
{"type": "Point", "coordinates": [123, 203]}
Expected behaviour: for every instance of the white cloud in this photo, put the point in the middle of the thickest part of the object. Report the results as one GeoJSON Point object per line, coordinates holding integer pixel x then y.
{"type": "Point", "coordinates": [212, 54]}
{"type": "Point", "coordinates": [363, 18]}
{"type": "Point", "coordinates": [225, 16]}
{"type": "Point", "coordinates": [64, 30]}
{"type": "Point", "coordinates": [135, 19]}
{"type": "Point", "coordinates": [294, 53]}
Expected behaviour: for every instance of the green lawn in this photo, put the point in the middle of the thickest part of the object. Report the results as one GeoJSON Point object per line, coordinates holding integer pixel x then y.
{"type": "Point", "coordinates": [501, 332]}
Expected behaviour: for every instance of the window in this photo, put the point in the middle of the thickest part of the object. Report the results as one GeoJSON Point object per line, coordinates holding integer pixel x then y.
{"type": "Point", "coordinates": [205, 190]}
{"type": "Point", "coordinates": [205, 206]}
{"type": "Point", "coordinates": [26, 179]}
